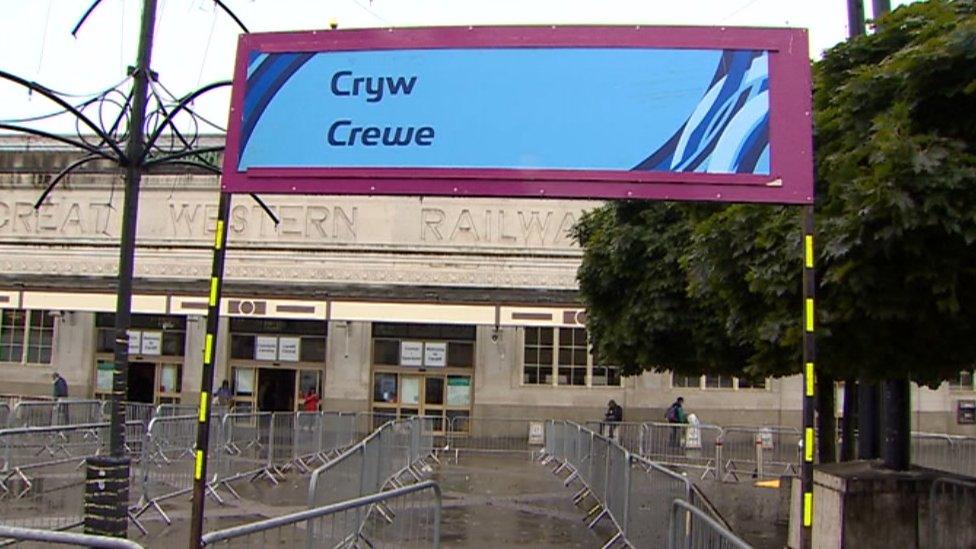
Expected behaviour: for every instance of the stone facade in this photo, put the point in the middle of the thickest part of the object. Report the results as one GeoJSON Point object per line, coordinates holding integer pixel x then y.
{"type": "Point", "coordinates": [503, 266]}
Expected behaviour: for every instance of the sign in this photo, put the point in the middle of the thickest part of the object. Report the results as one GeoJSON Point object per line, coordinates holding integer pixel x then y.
{"type": "Point", "coordinates": [411, 353]}
{"type": "Point", "coordinates": [536, 433]}
{"type": "Point", "coordinates": [152, 343]}
{"type": "Point", "coordinates": [458, 391]}
{"type": "Point", "coordinates": [435, 355]}
{"type": "Point", "coordinates": [289, 348]}
{"type": "Point", "coordinates": [265, 348]}
{"type": "Point", "coordinates": [135, 341]}
{"type": "Point", "coordinates": [678, 113]}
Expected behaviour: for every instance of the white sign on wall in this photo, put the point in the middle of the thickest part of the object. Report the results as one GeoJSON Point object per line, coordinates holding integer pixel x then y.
{"type": "Point", "coordinates": [435, 355]}
{"type": "Point", "coordinates": [289, 348]}
{"type": "Point", "coordinates": [152, 343]}
{"type": "Point", "coordinates": [266, 348]}
{"type": "Point", "coordinates": [135, 342]}
{"type": "Point", "coordinates": [411, 353]}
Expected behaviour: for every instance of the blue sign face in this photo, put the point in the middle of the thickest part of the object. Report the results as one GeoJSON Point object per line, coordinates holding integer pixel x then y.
{"type": "Point", "coordinates": [618, 109]}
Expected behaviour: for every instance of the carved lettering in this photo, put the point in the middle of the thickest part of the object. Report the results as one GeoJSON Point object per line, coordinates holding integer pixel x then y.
{"type": "Point", "coordinates": [23, 211]}
{"type": "Point", "coordinates": [238, 219]}
{"type": "Point", "coordinates": [502, 237]}
{"type": "Point", "coordinates": [534, 226]}
{"type": "Point", "coordinates": [210, 212]}
{"type": "Point", "coordinates": [315, 216]}
{"type": "Point", "coordinates": [4, 217]}
{"type": "Point", "coordinates": [430, 221]}
{"type": "Point", "coordinates": [565, 226]}
{"type": "Point", "coordinates": [72, 220]}
{"type": "Point", "coordinates": [186, 216]}
{"type": "Point", "coordinates": [348, 222]}
{"type": "Point", "coordinates": [465, 226]}
{"type": "Point", "coordinates": [289, 220]}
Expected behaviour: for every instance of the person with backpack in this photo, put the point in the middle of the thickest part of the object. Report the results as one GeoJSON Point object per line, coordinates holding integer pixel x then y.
{"type": "Point", "coordinates": [676, 414]}
{"type": "Point", "coordinates": [613, 416]}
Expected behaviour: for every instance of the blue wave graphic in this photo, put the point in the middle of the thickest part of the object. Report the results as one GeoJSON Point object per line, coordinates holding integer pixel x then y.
{"type": "Point", "coordinates": [728, 132]}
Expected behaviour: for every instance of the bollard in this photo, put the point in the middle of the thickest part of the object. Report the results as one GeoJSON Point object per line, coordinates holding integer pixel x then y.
{"type": "Point", "coordinates": [107, 495]}
{"type": "Point", "coordinates": [719, 461]}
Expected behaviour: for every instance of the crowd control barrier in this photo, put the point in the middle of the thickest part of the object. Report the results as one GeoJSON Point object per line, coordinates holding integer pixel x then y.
{"type": "Point", "coordinates": [631, 492]}
{"type": "Point", "coordinates": [408, 516]}
{"type": "Point", "coordinates": [494, 435]}
{"type": "Point", "coordinates": [952, 453]}
{"type": "Point", "coordinates": [950, 514]}
{"type": "Point", "coordinates": [13, 534]}
{"type": "Point", "coordinates": [42, 473]}
{"type": "Point", "coordinates": [693, 529]}
{"type": "Point", "coordinates": [392, 455]}
{"type": "Point", "coordinates": [31, 413]}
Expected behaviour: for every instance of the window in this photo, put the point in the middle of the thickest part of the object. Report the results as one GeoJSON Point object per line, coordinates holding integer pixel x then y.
{"type": "Point", "coordinates": [281, 340]}
{"type": "Point", "coordinates": [560, 356]}
{"type": "Point", "coordinates": [751, 383]}
{"type": "Point", "coordinates": [963, 382]}
{"type": "Point", "coordinates": [26, 336]}
{"type": "Point", "coordinates": [572, 356]}
{"type": "Point", "coordinates": [171, 330]}
{"type": "Point", "coordinates": [678, 380]}
{"type": "Point", "coordinates": [538, 357]}
{"type": "Point", "coordinates": [716, 382]}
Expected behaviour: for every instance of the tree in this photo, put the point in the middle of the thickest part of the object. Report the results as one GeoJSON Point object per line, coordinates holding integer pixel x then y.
{"type": "Point", "coordinates": [666, 285]}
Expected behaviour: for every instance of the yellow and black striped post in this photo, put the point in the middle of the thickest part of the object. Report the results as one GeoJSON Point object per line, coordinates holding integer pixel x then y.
{"type": "Point", "coordinates": [206, 381]}
{"type": "Point", "coordinates": [809, 373]}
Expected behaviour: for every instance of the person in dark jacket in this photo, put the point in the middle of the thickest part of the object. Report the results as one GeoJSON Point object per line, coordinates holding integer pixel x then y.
{"type": "Point", "coordinates": [676, 414]}
{"type": "Point", "coordinates": [60, 391]}
{"type": "Point", "coordinates": [60, 386]}
{"type": "Point", "coordinates": [613, 416]}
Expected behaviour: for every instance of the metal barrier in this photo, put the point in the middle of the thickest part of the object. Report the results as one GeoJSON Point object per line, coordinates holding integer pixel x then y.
{"type": "Point", "coordinates": [475, 434]}
{"type": "Point", "coordinates": [760, 452]}
{"type": "Point", "coordinates": [630, 491]}
{"type": "Point", "coordinates": [952, 503]}
{"type": "Point", "coordinates": [952, 453]}
{"type": "Point", "coordinates": [628, 435]}
{"type": "Point", "coordinates": [167, 462]}
{"type": "Point", "coordinates": [4, 414]}
{"type": "Point", "coordinates": [42, 477]}
{"type": "Point", "coordinates": [61, 412]}
{"type": "Point", "coordinates": [403, 517]}
{"type": "Point", "coordinates": [396, 450]}
{"type": "Point", "coordinates": [683, 445]}
{"type": "Point", "coordinates": [8, 533]}
{"type": "Point", "coordinates": [693, 529]}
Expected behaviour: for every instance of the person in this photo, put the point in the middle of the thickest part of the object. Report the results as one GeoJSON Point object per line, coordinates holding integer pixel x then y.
{"type": "Point", "coordinates": [613, 416]}
{"type": "Point", "coordinates": [311, 401]}
{"type": "Point", "coordinates": [60, 386]}
{"type": "Point", "coordinates": [223, 394]}
{"type": "Point", "coordinates": [60, 392]}
{"type": "Point", "coordinates": [676, 414]}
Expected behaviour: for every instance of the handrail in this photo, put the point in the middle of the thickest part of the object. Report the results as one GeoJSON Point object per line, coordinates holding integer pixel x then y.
{"type": "Point", "coordinates": [69, 538]}
{"type": "Point", "coordinates": [277, 522]}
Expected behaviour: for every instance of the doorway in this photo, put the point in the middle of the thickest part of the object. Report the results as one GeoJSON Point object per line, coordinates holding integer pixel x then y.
{"type": "Point", "coordinates": [142, 382]}
{"type": "Point", "coordinates": [276, 390]}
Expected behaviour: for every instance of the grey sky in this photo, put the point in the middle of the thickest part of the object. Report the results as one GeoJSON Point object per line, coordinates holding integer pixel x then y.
{"type": "Point", "coordinates": [195, 42]}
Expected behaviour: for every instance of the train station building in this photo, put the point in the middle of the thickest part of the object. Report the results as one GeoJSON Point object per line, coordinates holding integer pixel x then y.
{"type": "Point", "coordinates": [439, 306]}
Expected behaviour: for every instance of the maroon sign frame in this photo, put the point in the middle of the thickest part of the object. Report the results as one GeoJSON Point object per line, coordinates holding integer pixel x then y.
{"type": "Point", "coordinates": [790, 180]}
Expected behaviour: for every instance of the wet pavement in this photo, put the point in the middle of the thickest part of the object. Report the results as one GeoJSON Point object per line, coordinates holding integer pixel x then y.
{"type": "Point", "coordinates": [508, 500]}
{"type": "Point", "coordinates": [488, 501]}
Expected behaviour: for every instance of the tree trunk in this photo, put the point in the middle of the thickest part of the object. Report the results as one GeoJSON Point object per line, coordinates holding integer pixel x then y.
{"type": "Point", "coordinates": [868, 420]}
{"type": "Point", "coordinates": [897, 451]}
{"type": "Point", "coordinates": [826, 421]}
